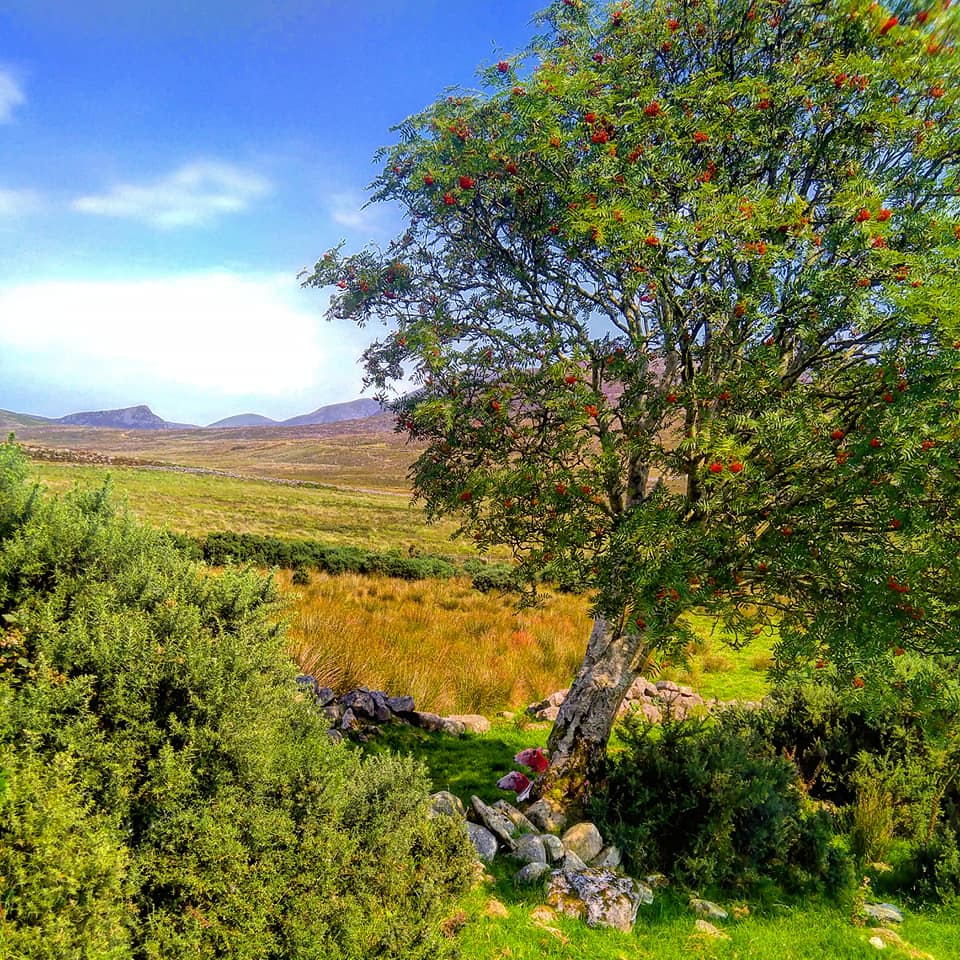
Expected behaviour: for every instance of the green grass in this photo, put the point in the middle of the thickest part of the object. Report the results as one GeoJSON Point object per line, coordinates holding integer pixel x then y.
{"type": "Point", "coordinates": [466, 766]}
{"type": "Point", "coordinates": [718, 671]}
{"type": "Point", "coordinates": [666, 931]}
{"type": "Point", "coordinates": [798, 930]}
{"type": "Point", "coordinates": [196, 504]}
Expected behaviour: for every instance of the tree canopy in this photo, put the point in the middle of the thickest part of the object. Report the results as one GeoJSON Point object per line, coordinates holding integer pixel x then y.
{"type": "Point", "coordinates": [675, 313]}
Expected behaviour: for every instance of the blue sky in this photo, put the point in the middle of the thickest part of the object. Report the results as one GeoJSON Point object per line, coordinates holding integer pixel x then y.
{"type": "Point", "coordinates": [169, 166]}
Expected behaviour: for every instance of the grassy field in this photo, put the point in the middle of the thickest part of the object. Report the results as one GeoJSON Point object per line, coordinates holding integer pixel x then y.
{"type": "Point", "coordinates": [200, 503]}
{"type": "Point", "coordinates": [666, 931]}
{"type": "Point", "coordinates": [362, 454]}
{"type": "Point", "coordinates": [452, 648]}
{"type": "Point", "coordinates": [459, 651]}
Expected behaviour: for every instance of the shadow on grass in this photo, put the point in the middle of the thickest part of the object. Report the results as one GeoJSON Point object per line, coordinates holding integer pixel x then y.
{"type": "Point", "coordinates": [466, 766]}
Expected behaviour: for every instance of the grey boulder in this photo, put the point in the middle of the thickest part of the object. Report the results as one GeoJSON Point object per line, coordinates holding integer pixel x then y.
{"type": "Point", "coordinates": [484, 842]}
{"type": "Point", "coordinates": [530, 849]}
{"type": "Point", "coordinates": [584, 840]}
{"type": "Point", "coordinates": [445, 804]}
{"type": "Point", "coordinates": [530, 874]}
{"type": "Point", "coordinates": [883, 913]}
{"type": "Point", "coordinates": [599, 897]}
{"type": "Point", "coordinates": [708, 909]}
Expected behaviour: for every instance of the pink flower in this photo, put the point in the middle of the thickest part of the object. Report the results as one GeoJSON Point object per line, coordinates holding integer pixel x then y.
{"type": "Point", "coordinates": [516, 781]}
{"type": "Point", "coordinates": [533, 757]}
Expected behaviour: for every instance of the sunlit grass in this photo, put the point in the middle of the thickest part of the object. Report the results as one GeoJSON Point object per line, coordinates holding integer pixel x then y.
{"type": "Point", "coordinates": [455, 650]}
{"type": "Point", "coordinates": [459, 651]}
{"type": "Point", "coordinates": [197, 504]}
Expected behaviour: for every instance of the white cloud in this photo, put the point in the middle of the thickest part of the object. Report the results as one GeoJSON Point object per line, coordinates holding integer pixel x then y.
{"type": "Point", "coordinates": [11, 95]}
{"type": "Point", "coordinates": [210, 335]}
{"type": "Point", "coordinates": [192, 195]}
{"type": "Point", "coordinates": [14, 203]}
{"type": "Point", "coordinates": [347, 209]}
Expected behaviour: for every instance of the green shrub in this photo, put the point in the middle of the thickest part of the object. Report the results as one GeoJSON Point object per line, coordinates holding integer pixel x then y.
{"type": "Point", "coordinates": [150, 722]}
{"type": "Point", "coordinates": [932, 871]}
{"type": "Point", "coordinates": [63, 868]}
{"type": "Point", "coordinates": [221, 548]}
{"type": "Point", "coordinates": [499, 577]}
{"type": "Point", "coordinates": [712, 805]}
{"type": "Point", "coordinates": [889, 762]}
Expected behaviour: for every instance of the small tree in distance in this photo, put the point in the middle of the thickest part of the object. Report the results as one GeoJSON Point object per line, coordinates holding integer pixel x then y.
{"type": "Point", "coordinates": [678, 295]}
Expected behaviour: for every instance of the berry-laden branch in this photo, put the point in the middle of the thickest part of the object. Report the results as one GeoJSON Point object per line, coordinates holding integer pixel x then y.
{"type": "Point", "coordinates": [678, 302]}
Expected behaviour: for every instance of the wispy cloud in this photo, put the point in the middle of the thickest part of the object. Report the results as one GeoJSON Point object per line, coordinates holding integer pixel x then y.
{"type": "Point", "coordinates": [347, 209]}
{"type": "Point", "coordinates": [193, 195]}
{"type": "Point", "coordinates": [14, 203]}
{"type": "Point", "coordinates": [11, 95]}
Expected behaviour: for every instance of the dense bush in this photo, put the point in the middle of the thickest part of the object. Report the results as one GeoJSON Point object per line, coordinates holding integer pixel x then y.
{"type": "Point", "coordinates": [167, 792]}
{"type": "Point", "coordinates": [711, 804]}
{"type": "Point", "coordinates": [496, 577]}
{"type": "Point", "coordinates": [890, 763]}
{"type": "Point", "coordinates": [741, 798]}
{"type": "Point", "coordinates": [220, 548]}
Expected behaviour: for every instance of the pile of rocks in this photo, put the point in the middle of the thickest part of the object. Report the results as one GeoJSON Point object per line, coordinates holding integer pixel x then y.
{"type": "Point", "coordinates": [655, 701]}
{"type": "Point", "coordinates": [578, 870]}
{"type": "Point", "coordinates": [361, 711]}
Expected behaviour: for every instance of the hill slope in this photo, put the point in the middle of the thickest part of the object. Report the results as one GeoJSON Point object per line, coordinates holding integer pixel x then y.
{"type": "Point", "coordinates": [140, 417]}
{"type": "Point", "coordinates": [10, 420]}
{"type": "Point", "coordinates": [335, 412]}
{"type": "Point", "coordinates": [245, 420]}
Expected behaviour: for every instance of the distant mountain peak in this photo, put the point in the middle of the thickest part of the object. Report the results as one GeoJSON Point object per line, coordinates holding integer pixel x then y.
{"type": "Point", "coordinates": [330, 413]}
{"type": "Point", "coordinates": [139, 417]}
{"type": "Point", "coordinates": [245, 420]}
{"type": "Point", "coordinates": [335, 412]}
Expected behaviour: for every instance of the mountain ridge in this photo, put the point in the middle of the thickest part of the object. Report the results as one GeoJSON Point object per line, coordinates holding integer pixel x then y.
{"type": "Point", "coordinates": [141, 417]}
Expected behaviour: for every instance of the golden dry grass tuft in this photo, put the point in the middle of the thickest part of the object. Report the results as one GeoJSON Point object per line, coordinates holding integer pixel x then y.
{"type": "Point", "coordinates": [456, 650]}
{"type": "Point", "coordinates": [453, 649]}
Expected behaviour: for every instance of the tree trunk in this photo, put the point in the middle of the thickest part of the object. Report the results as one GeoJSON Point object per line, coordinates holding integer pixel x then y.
{"type": "Point", "coordinates": [578, 742]}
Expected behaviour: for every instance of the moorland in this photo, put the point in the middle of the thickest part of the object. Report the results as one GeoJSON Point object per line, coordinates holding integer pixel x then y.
{"type": "Point", "coordinates": [457, 649]}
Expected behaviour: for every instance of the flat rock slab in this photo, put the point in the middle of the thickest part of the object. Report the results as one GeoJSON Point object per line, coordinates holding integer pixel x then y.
{"type": "Point", "coordinates": [601, 898]}
{"type": "Point", "coordinates": [502, 827]}
{"type": "Point", "coordinates": [431, 722]}
{"type": "Point", "coordinates": [512, 813]}
{"type": "Point", "coordinates": [484, 842]}
{"type": "Point", "coordinates": [472, 722]}
{"type": "Point", "coordinates": [708, 909]}
{"type": "Point", "coordinates": [883, 913]}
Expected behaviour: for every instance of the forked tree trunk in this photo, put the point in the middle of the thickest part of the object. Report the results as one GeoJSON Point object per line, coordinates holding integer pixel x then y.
{"type": "Point", "coordinates": [578, 742]}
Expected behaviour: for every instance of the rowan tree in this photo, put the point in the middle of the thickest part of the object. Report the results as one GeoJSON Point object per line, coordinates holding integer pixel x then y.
{"type": "Point", "coordinates": [675, 314]}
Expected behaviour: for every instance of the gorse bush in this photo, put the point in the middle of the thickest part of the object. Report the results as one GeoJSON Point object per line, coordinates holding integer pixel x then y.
{"type": "Point", "coordinates": [166, 791]}
{"type": "Point", "coordinates": [711, 804]}
{"type": "Point", "coordinates": [891, 761]}
{"type": "Point", "coordinates": [302, 556]}
{"type": "Point", "coordinates": [219, 548]}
